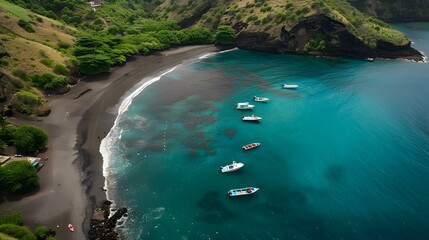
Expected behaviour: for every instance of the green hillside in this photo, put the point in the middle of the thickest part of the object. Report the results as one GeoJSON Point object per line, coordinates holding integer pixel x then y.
{"type": "Point", "coordinates": [47, 49]}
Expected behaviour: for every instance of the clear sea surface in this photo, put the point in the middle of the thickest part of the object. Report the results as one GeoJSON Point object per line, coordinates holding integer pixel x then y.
{"type": "Point", "coordinates": [344, 156]}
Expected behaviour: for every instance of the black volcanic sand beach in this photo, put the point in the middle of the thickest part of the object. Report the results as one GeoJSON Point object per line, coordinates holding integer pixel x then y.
{"type": "Point", "coordinates": [72, 181]}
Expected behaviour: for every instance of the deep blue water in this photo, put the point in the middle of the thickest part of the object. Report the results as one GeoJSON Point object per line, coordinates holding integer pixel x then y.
{"type": "Point", "coordinates": [345, 156]}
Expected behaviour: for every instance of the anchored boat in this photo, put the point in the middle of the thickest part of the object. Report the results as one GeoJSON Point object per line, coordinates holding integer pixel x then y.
{"type": "Point", "coordinates": [290, 86]}
{"type": "Point", "coordinates": [260, 99]}
{"type": "Point", "coordinates": [244, 106]}
{"type": "Point", "coordinates": [231, 167]}
{"type": "Point", "coordinates": [250, 146]}
{"type": "Point", "coordinates": [251, 118]}
{"type": "Point", "coordinates": [242, 191]}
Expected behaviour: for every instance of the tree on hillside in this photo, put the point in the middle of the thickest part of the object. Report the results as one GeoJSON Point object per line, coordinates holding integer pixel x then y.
{"type": "Point", "coordinates": [3, 146]}
{"type": "Point", "coordinates": [29, 139]}
{"type": "Point", "coordinates": [13, 217]}
{"type": "Point", "coordinates": [18, 177]}
{"type": "Point", "coordinates": [225, 35]}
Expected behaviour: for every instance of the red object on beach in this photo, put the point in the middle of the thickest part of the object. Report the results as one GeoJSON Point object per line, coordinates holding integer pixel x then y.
{"type": "Point", "coordinates": [71, 228]}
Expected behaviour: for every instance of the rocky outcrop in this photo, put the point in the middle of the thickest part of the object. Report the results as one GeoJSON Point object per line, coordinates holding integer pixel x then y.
{"type": "Point", "coordinates": [338, 41]}
{"type": "Point", "coordinates": [101, 226]}
{"type": "Point", "coordinates": [394, 10]}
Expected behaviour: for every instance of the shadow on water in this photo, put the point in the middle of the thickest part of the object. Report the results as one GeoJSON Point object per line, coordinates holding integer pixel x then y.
{"type": "Point", "coordinates": [335, 173]}
{"type": "Point", "coordinates": [229, 132]}
{"type": "Point", "coordinates": [213, 211]}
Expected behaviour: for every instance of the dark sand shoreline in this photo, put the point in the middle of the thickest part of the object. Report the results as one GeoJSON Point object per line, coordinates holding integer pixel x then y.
{"type": "Point", "coordinates": [72, 180]}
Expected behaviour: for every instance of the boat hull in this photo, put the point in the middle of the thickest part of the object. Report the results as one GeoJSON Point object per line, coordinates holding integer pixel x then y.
{"type": "Point", "coordinates": [231, 168]}
{"type": "Point", "coordinates": [250, 146]}
{"type": "Point", "coordinates": [242, 191]}
{"type": "Point", "coordinates": [290, 86]}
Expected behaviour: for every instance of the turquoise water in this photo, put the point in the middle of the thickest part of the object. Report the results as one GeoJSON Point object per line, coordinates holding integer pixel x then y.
{"type": "Point", "coordinates": [345, 156]}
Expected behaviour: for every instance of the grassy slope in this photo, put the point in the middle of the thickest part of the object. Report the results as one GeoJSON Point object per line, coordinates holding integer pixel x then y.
{"type": "Point", "coordinates": [284, 13]}
{"type": "Point", "coordinates": [6, 237]}
{"type": "Point", "coordinates": [28, 49]}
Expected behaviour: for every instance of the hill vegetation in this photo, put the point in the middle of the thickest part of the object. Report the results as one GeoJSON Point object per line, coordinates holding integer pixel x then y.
{"type": "Point", "coordinates": [47, 49]}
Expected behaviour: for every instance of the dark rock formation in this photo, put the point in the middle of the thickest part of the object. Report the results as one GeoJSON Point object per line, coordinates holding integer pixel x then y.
{"type": "Point", "coordinates": [101, 226]}
{"type": "Point", "coordinates": [394, 10]}
{"type": "Point", "coordinates": [199, 12]}
{"type": "Point", "coordinates": [339, 41]}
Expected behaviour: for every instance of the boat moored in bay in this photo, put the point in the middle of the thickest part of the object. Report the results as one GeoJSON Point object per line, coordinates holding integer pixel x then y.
{"type": "Point", "coordinates": [250, 146]}
{"type": "Point", "coordinates": [242, 191]}
{"type": "Point", "coordinates": [244, 106]}
{"type": "Point", "coordinates": [251, 118]}
{"type": "Point", "coordinates": [290, 86]}
{"type": "Point", "coordinates": [260, 99]}
{"type": "Point", "coordinates": [231, 167]}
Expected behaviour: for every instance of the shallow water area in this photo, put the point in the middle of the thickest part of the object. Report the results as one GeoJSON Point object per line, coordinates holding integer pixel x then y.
{"type": "Point", "coordinates": [344, 156]}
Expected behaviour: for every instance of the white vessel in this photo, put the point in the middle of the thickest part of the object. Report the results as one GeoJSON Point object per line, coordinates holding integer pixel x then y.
{"type": "Point", "coordinates": [251, 118]}
{"type": "Point", "coordinates": [290, 86]}
{"type": "Point", "coordinates": [231, 167]}
{"type": "Point", "coordinates": [260, 99]}
{"type": "Point", "coordinates": [242, 191]}
{"type": "Point", "coordinates": [244, 106]}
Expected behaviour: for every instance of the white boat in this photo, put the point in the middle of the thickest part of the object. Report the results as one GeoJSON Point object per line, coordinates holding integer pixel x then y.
{"type": "Point", "coordinates": [260, 99]}
{"type": "Point", "coordinates": [242, 191]}
{"type": "Point", "coordinates": [244, 106]}
{"type": "Point", "coordinates": [251, 118]}
{"type": "Point", "coordinates": [231, 167]}
{"type": "Point", "coordinates": [290, 86]}
{"type": "Point", "coordinates": [369, 59]}
{"type": "Point", "coordinates": [250, 146]}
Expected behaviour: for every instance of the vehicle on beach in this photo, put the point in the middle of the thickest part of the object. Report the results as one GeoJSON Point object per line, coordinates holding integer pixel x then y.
{"type": "Point", "coordinates": [260, 99]}
{"type": "Point", "coordinates": [290, 86]}
{"type": "Point", "coordinates": [251, 118]}
{"type": "Point", "coordinates": [244, 106]}
{"type": "Point", "coordinates": [234, 166]}
{"type": "Point", "coordinates": [242, 191]}
{"type": "Point", "coordinates": [250, 146]}
{"type": "Point", "coordinates": [71, 228]}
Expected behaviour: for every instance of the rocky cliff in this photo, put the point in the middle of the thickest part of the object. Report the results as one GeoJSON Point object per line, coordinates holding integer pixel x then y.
{"type": "Point", "coordinates": [338, 41]}
{"type": "Point", "coordinates": [395, 10]}
{"type": "Point", "coordinates": [314, 27]}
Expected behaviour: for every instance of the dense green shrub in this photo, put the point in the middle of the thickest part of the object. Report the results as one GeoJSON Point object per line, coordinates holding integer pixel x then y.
{"type": "Point", "coordinates": [18, 177]}
{"type": "Point", "coordinates": [14, 218]}
{"type": "Point", "coordinates": [29, 139]}
{"type": "Point", "coordinates": [316, 43]}
{"type": "Point", "coordinates": [93, 64]}
{"type": "Point", "coordinates": [49, 81]}
{"type": "Point", "coordinates": [3, 146]}
{"type": "Point", "coordinates": [3, 62]}
{"type": "Point", "coordinates": [47, 62]}
{"type": "Point", "coordinates": [25, 102]}
{"type": "Point", "coordinates": [7, 133]}
{"type": "Point", "coordinates": [18, 72]}
{"type": "Point", "coordinates": [63, 45]}
{"type": "Point", "coordinates": [42, 233]}
{"type": "Point", "coordinates": [225, 35]}
{"type": "Point", "coordinates": [19, 232]}
{"type": "Point", "coordinates": [61, 70]}
{"type": "Point", "coordinates": [26, 26]}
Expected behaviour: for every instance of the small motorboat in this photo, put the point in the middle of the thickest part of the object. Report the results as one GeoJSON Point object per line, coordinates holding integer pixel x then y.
{"type": "Point", "coordinates": [242, 191]}
{"type": "Point", "coordinates": [290, 86]}
{"type": "Point", "coordinates": [260, 99]}
{"type": "Point", "coordinates": [71, 228]}
{"type": "Point", "coordinates": [369, 59]}
{"type": "Point", "coordinates": [251, 118]}
{"type": "Point", "coordinates": [231, 167]}
{"type": "Point", "coordinates": [244, 106]}
{"type": "Point", "coordinates": [250, 146]}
